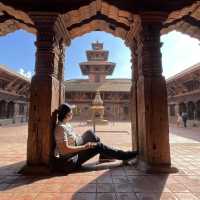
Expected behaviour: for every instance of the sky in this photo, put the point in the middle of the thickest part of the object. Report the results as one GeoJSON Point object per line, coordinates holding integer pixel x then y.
{"type": "Point", "coordinates": [179, 51]}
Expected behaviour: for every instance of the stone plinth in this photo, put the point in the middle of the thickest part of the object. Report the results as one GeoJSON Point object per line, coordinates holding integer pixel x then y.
{"type": "Point", "coordinates": [98, 122]}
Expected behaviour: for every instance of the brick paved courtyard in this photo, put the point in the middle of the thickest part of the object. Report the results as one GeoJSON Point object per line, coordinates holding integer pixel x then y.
{"type": "Point", "coordinates": [105, 182]}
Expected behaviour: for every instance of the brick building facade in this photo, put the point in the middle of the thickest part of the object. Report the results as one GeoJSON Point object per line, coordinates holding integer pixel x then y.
{"type": "Point", "coordinates": [14, 93]}
{"type": "Point", "coordinates": [184, 95]}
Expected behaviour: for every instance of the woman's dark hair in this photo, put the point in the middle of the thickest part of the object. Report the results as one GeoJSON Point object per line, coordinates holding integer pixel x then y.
{"type": "Point", "coordinates": [63, 110]}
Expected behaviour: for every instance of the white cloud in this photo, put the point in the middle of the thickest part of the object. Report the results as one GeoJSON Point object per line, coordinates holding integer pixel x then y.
{"type": "Point", "coordinates": [27, 74]}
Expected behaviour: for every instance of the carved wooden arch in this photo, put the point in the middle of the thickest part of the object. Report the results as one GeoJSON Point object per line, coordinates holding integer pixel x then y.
{"type": "Point", "coordinates": [99, 25]}
{"type": "Point", "coordinates": [98, 9]}
{"type": "Point", "coordinates": [185, 20]}
{"type": "Point", "coordinates": [99, 16]}
{"type": "Point", "coordinates": [12, 19]}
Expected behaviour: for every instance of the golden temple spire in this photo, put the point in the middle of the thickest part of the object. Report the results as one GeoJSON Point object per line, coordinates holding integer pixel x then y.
{"type": "Point", "coordinates": [97, 100]}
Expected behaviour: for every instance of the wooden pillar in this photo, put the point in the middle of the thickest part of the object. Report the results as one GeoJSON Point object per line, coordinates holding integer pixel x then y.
{"type": "Point", "coordinates": [153, 128]}
{"type": "Point", "coordinates": [45, 91]}
{"type": "Point", "coordinates": [134, 115]}
{"type": "Point", "coordinates": [16, 113]}
{"type": "Point", "coordinates": [61, 72]}
{"type": "Point", "coordinates": [6, 110]}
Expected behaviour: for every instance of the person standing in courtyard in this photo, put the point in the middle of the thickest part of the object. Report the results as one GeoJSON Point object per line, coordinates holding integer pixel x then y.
{"type": "Point", "coordinates": [179, 120]}
{"type": "Point", "coordinates": [75, 149]}
{"type": "Point", "coordinates": [184, 116]}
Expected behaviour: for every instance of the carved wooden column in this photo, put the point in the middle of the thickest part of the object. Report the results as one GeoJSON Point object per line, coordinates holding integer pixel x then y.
{"type": "Point", "coordinates": [45, 92]}
{"type": "Point", "coordinates": [6, 110]}
{"type": "Point", "coordinates": [153, 128]}
{"type": "Point", "coordinates": [134, 115]}
{"type": "Point", "coordinates": [16, 113]}
{"type": "Point", "coordinates": [62, 46]}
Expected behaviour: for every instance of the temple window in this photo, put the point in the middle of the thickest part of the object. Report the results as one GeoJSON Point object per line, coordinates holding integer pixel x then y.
{"type": "Point", "coordinates": [97, 78]}
{"type": "Point", "coordinates": [88, 96]}
{"type": "Point", "coordinates": [182, 108]}
{"type": "Point", "coordinates": [125, 96]}
{"type": "Point", "coordinates": [172, 110]}
{"type": "Point", "coordinates": [191, 110]}
{"type": "Point", "coordinates": [2, 84]}
{"type": "Point", "coordinates": [10, 110]}
{"type": "Point", "coordinates": [126, 109]}
{"type": "Point", "coordinates": [21, 109]}
{"type": "Point", "coordinates": [192, 85]}
{"type": "Point", "coordinates": [86, 108]}
{"type": "Point", "coordinates": [198, 110]}
{"type": "Point", "coordinates": [2, 109]}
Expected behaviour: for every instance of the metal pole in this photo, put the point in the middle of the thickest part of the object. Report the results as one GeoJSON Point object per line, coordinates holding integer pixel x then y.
{"type": "Point", "coordinates": [94, 128]}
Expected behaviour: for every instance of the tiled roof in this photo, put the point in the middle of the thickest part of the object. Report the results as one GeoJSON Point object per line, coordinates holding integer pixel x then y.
{"type": "Point", "coordinates": [183, 73]}
{"type": "Point", "coordinates": [109, 85]}
{"type": "Point", "coordinates": [13, 73]}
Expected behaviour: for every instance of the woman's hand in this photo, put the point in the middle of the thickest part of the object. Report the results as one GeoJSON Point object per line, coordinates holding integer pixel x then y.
{"type": "Point", "coordinates": [90, 145]}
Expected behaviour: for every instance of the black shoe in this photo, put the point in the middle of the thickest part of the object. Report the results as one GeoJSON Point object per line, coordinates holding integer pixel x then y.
{"type": "Point", "coordinates": [104, 158]}
{"type": "Point", "coordinates": [131, 162]}
{"type": "Point", "coordinates": [131, 158]}
{"type": "Point", "coordinates": [130, 155]}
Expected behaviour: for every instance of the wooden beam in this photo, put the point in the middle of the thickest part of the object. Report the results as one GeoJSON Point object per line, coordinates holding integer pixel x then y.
{"type": "Point", "coordinates": [17, 86]}
{"type": "Point", "coordinates": [192, 21]}
{"type": "Point", "coordinates": [22, 89]}
{"type": "Point", "coordinates": [10, 84]}
{"type": "Point", "coordinates": [99, 16]}
{"type": "Point", "coordinates": [65, 6]}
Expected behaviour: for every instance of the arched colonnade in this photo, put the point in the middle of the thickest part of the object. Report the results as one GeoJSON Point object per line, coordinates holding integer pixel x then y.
{"type": "Point", "coordinates": [140, 28]}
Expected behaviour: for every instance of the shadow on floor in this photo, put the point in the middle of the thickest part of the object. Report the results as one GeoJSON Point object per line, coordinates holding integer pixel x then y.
{"type": "Point", "coordinates": [108, 181]}
{"type": "Point", "coordinates": [123, 183]}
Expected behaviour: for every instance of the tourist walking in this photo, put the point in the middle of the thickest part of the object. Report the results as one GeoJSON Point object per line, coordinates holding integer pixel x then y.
{"type": "Point", "coordinates": [179, 120]}
{"type": "Point", "coordinates": [184, 116]}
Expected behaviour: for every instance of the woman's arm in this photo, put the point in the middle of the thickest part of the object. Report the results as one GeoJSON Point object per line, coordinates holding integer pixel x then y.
{"type": "Point", "coordinates": [65, 148]}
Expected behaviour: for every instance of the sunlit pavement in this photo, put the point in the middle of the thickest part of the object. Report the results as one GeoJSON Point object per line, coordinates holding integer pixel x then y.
{"type": "Point", "coordinates": [110, 183]}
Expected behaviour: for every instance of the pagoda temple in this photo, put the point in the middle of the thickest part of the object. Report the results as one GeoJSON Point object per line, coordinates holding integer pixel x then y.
{"type": "Point", "coordinates": [97, 67]}
{"type": "Point", "coordinates": [115, 93]}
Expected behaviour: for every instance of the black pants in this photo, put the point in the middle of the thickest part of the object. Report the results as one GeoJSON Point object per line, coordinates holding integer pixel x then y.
{"type": "Point", "coordinates": [185, 123]}
{"type": "Point", "coordinates": [89, 136]}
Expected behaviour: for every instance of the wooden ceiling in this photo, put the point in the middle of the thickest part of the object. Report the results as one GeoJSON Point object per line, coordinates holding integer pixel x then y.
{"type": "Point", "coordinates": [113, 16]}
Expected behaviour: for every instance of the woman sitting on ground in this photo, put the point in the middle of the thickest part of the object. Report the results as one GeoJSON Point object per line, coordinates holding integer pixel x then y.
{"type": "Point", "coordinates": [77, 149]}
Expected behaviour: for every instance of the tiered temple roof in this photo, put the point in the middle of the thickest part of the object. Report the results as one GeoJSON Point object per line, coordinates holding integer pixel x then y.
{"type": "Point", "coordinates": [97, 67]}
